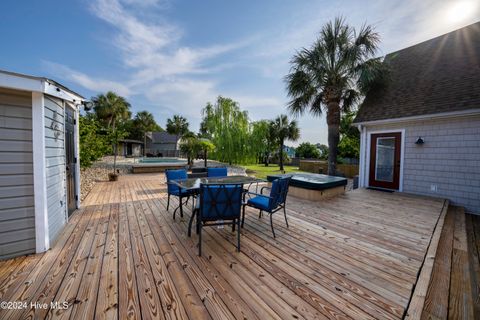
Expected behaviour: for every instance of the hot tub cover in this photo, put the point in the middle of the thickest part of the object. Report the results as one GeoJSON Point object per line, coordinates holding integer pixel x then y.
{"type": "Point", "coordinates": [311, 181]}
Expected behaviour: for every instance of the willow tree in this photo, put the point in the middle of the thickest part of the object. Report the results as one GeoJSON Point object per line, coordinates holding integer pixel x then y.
{"type": "Point", "coordinates": [229, 130]}
{"type": "Point", "coordinates": [262, 140]}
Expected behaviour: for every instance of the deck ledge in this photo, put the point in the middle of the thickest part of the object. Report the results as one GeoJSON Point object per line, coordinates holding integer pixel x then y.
{"type": "Point", "coordinates": [417, 300]}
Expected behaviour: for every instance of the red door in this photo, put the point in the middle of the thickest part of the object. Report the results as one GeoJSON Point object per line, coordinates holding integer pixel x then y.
{"type": "Point", "coordinates": [385, 160]}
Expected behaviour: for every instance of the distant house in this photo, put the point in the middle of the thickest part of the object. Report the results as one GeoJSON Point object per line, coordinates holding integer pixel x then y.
{"type": "Point", "coordinates": [130, 148]}
{"type": "Point", "coordinates": [39, 162]}
{"type": "Point", "coordinates": [290, 151]}
{"type": "Point", "coordinates": [421, 132]}
{"type": "Point", "coordinates": [162, 144]}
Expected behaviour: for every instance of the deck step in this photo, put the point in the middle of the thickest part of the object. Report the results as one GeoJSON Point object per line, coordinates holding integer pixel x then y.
{"type": "Point", "coordinates": [453, 291]}
{"type": "Point", "coordinates": [436, 301]}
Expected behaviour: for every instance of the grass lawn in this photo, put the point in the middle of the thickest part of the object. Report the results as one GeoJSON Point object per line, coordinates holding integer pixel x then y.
{"type": "Point", "coordinates": [260, 171]}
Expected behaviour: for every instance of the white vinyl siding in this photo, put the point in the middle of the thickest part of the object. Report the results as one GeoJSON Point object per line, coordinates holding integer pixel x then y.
{"type": "Point", "coordinates": [449, 160]}
{"type": "Point", "coordinates": [55, 166]}
{"type": "Point", "coordinates": [17, 215]}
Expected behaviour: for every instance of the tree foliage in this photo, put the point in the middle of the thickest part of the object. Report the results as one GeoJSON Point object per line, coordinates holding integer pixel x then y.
{"type": "Point", "coordinates": [142, 123]}
{"type": "Point", "coordinates": [307, 150]}
{"type": "Point", "coordinates": [283, 129]}
{"type": "Point", "coordinates": [178, 126]}
{"type": "Point", "coordinates": [110, 122]}
{"type": "Point", "coordinates": [112, 110]}
{"type": "Point", "coordinates": [262, 140]}
{"type": "Point", "coordinates": [93, 144]}
{"type": "Point", "coordinates": [190, 146]}
{"type": "Point", "coordinates": [323, 151]}
{"type": "Point", "coordinates": [229, 130]}
{"type": "Point", "coordinates": [349, 146]}
{"type": "Point", "coordinates": [333, 74]}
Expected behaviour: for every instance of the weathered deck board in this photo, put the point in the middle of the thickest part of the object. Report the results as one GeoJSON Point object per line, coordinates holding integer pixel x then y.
{"type": "Point", "coordinates": [123, 257]}
{"type": "Point", "coordinates": [436, 300]}
{"type": "Point", "coordinates": [460, 300]}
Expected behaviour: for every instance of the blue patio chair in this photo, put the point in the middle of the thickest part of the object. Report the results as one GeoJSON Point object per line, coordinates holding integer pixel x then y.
{"type": "Point", "coordinates": [217, 172]}
{"type": "Point", "coordinates": [271, 203]}
{"type": "Point", "coordinates": [175, 190]}
{"type": "Point", "coordinates": [219, 204]}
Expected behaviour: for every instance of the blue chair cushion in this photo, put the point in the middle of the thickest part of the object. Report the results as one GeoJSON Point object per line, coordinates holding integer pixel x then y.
{"type": "Point", "coordinates": [218, 202]}
{"type": "Point", "coordinates": [172, 188]}
{"type": "Point", "coordinates": [217, 172]}
{"type": "Point", "coordinates": [259, 202]}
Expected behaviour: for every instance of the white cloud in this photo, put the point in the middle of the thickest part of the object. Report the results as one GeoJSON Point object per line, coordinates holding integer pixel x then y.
{"type": "Point", "coordinates": [158, 67]}
{"type": "Point", "coordinates": [88, 82]}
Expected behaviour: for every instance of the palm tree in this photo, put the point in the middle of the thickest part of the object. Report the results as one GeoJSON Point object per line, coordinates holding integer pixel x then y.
{"type": "Point", "coordinates": [333, 74]}
{"type": "Point", "coordinates": [284, 129]}
{"type": "Point", "coordinates": [112, 108]}
{"type": "Point", "coordinates": [145, 122]}
{"type": "Point", "coordinates": [178, 126]}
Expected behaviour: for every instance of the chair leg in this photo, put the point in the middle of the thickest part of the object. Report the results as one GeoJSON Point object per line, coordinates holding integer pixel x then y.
{"type": "Point", "coordinates": [243, 216]}
{"type": "Point", "coordinates": [271, 224]}
{"type": "Point", "coordinates": [285, 214]}
{"type": "Point", "coordinates": [168, 202]}
{"type": "Point", "coordinates": [181, 208]}
{"type": "Point", "coordinates": [260, 214]}
{"type": "Point", "coordinates": [194, 212]}
{"type": "Point", "coordinates": [198, 224]}
{"type": "Point", "coordinates": [200, 241]}
{"type": "Point", "coordinates": [238, 235]}
{"type": "Point", "coordinates": [233, 225]}
{"type": "Point", "coordinates": [175, 211]}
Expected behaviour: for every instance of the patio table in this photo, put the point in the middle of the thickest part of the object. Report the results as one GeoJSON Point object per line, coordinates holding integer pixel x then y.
{"type": "Point", "coordinates": [193, 184]}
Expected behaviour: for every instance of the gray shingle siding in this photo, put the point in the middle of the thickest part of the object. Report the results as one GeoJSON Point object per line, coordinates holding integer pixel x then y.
{"type": "Point", "coordinates": [55, 164]}
{"type": "Point", "coordinates": [17, 214]}
{"type": "Point", "coordinates": [449, 159]}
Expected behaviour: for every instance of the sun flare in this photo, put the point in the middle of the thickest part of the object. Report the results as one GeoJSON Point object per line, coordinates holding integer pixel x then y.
{"type": "Point", "coordinates": [461, 10]}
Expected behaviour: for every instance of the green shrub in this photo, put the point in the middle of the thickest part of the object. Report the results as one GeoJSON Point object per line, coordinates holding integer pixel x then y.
{"type": "Point", "coordinates": [93, 144]}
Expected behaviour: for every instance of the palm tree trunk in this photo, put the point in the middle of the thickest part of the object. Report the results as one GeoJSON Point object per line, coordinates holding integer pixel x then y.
{"type": "Point", "coordinates": [115, 145]}
{"type": "Point", "coordinates": [280, 155]}
{"type": "Point", "coordinates": [333, 122]}
{"type": "Point", "coordinates": [145, 144]}
{"type": "Point", "coordinates": [205, 157]}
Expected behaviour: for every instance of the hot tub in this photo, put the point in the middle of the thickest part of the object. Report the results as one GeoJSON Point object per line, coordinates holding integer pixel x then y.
{"type": "Point", "coordinates": [312, 186]}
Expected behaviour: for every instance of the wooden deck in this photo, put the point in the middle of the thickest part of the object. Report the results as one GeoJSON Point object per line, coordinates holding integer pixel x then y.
{"type": "Point", "coordinates": [123, 257]}
{"type": "Point", "coordinates": [454, 287]}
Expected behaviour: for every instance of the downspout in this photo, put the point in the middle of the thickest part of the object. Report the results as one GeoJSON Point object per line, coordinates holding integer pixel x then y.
{"type": "Point", "coordinates": [361, 172]}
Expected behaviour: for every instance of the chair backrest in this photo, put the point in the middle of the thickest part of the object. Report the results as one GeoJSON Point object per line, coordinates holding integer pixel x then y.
{"type": "Point", "coordinates": [178, 174]}
{"type": "Point", "coordinates": [279, 191]}
{"type": "Point", "coordinates": [217, 172]}
{"type": "Point", "coordinates": [220, 201]}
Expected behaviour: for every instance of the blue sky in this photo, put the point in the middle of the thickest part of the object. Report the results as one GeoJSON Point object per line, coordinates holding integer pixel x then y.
{"type": "Point", "coordinates": [172, 56]}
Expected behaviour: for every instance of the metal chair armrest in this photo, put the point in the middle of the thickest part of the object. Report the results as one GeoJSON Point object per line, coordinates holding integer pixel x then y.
{"type": "Point", "coordinates": [261, 190]}
{"type": "Point", "coordinates": [258, 194]}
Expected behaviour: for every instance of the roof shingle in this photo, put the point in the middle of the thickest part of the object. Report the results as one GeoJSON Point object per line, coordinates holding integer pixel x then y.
{"type": "Point", "coordinates": [435, 76]}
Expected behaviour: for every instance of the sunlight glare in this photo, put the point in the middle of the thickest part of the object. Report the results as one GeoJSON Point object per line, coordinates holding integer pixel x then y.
{"type": "Point", "coordinates": [461, 10]}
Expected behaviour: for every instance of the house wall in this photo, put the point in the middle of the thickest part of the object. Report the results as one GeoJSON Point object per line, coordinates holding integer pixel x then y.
{"type": "Point", "coordinates": [55, 165]}
{"type": "Point", "coordinates": [449, 159]}
{"type": "Point", "coordinates": [17, 214]}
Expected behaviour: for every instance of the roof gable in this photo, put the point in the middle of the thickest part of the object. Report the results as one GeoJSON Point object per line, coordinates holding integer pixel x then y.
{"type": "Point", "coordinates": [436, 76]}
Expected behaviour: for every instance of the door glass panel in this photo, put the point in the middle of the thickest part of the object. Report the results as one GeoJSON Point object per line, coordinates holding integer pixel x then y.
{"type": "Point", "coordinates": [385, 159]}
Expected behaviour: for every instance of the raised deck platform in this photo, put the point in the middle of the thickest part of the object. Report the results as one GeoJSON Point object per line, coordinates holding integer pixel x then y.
{"type": "Point", "coordinates": [122, 256]}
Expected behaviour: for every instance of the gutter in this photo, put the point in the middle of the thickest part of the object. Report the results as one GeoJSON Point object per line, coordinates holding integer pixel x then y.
{"type": "Point", "coordinates": [461, 113]}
